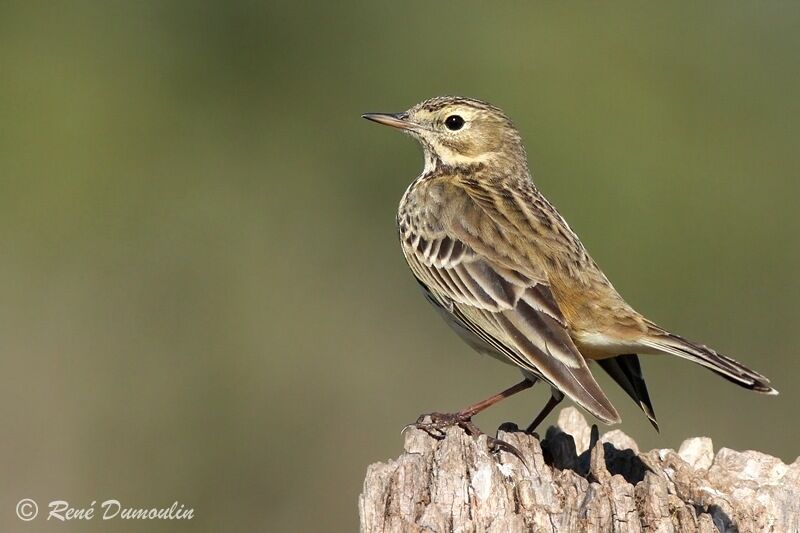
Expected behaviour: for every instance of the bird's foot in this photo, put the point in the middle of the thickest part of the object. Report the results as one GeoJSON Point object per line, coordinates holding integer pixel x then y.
{"type": "Point", "coordinates": [435, 424]}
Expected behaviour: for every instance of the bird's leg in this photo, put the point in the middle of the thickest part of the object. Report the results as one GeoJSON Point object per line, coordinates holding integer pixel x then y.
{"type": "Point", "coordinates": [435, 423]}
{"type": "Point", "coordinates": [554, 400]}
{"type": "Point", "coordinates": [476, 408]}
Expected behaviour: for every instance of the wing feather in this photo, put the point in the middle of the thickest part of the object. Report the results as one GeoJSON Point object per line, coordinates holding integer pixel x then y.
{"type": "Point", "coordinates": [506, 304]}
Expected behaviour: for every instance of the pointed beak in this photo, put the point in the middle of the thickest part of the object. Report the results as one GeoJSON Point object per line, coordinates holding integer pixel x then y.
{"type": "Point", "coordinates": [395, 120]}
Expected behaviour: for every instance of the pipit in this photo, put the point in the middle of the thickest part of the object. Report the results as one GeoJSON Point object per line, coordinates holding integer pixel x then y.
{"type": "Point", "coordinates": [508, 274]}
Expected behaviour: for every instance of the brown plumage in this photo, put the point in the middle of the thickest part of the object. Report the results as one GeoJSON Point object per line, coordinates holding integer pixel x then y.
{"type": "Point", "coordinates": [508, 273]}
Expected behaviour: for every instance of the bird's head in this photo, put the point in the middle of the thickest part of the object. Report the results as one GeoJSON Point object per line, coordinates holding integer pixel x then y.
{"type": "Point", "coordinates": [456, 131]}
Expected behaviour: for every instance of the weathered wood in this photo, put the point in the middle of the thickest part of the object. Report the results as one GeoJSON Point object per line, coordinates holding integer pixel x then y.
{"type": "Point", "coordinates": [575, 481]}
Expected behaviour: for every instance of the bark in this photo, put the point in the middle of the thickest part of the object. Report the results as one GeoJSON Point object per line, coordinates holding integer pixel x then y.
{"type": "Point", "coordinates": [575, 481]}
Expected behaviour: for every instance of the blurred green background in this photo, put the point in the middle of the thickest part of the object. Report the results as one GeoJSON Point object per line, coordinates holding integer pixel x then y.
{"type": "Point", "coordinates": [203, 297]}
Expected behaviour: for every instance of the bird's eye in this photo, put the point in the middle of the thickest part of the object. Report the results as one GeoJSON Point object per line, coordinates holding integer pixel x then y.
{"type": "Point", "coordinates": [454, 122]}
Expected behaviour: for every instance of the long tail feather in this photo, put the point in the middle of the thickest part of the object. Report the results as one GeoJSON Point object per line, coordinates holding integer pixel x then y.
{"type": "Point", "coordinates": [723, 365]}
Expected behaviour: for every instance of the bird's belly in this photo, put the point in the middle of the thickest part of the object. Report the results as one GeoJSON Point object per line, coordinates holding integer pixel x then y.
{"type": "Point", "coordinates": [473, 340]}
{"type": "Point", "coordinates": [596, 345]}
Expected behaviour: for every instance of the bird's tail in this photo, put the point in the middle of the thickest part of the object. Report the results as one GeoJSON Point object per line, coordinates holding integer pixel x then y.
{"type": "Point", "coordinates": [627, 372]}
{"type": "Point", "coordinates": [723, 365]}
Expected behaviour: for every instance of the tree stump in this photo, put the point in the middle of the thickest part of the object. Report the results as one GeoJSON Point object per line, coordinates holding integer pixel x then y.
{"type": "Point", "coordinates": [576, 480]}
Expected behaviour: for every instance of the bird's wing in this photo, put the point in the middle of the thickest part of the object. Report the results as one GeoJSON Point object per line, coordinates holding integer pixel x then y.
{"type": "Point", "coordinates": [467, 265]}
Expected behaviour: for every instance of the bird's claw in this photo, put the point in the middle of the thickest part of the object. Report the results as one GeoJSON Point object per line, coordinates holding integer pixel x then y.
{"type": "Point", "coordinates": [496, 445]}
{"type": "Point", "coordinates": [434, 425]}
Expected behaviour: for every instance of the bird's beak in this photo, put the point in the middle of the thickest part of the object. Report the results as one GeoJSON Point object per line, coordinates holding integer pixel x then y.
{"type": "Point", "coordinates": [395, 120]}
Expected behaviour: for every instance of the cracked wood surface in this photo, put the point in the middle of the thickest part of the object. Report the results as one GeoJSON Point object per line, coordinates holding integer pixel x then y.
{"type": "Point", "coordinates": [577, 481]}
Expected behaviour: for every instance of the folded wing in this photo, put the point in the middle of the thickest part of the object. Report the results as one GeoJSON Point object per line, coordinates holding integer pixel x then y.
{"type": "Point", "coordinates": [508, 305]}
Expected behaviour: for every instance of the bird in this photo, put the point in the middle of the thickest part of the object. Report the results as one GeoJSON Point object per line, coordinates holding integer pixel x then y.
{"type": "Point", "coordinates": [509, 275]}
